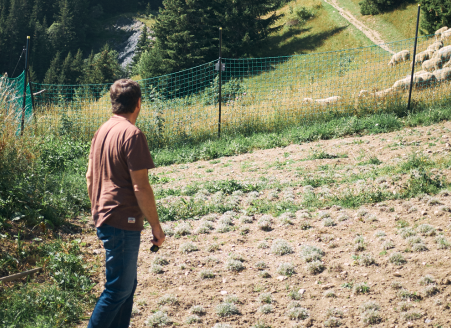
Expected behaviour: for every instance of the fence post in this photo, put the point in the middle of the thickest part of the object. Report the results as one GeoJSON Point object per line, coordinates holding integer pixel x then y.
{"type": "Point", "coordinates": [220, 81]}
{"type": "Point", "coordinates": [414, 55]}
{"type": "Point", "coordinates": [22, 122]}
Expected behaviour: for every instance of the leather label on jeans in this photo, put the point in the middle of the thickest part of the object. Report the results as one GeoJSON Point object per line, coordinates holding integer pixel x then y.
{"type": "Point", "coordinates": [131, 220]}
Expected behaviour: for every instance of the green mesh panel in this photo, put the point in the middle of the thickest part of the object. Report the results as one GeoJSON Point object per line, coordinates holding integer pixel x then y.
{"type": "Point", "coordinates": [258, 94]}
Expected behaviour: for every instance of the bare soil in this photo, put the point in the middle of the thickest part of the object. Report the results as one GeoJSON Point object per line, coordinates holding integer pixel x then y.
{"type": "Point", "coordinates": [181, 277]}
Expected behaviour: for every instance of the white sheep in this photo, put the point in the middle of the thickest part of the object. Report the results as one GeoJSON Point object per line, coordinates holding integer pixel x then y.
{"type": "Point", "coordinates": [423, 56]}
{"type": "Point", "coordinates": [399, 57]}
{"type": "Point", "coordinates": [448, 64]}
{"type": "Point", "coordinates": [324, 102]}
{"type": "Point", "coordinates": [443, 74]}
{"type": "Point", "coordinates": [446, 35]}
{"type": "Point", "coordinates": [437, 45]}
{"type": "Point", "coordinates": [432, 64]}
{"type": "Point", "coordinates": [444, 54]}
{"type": "Point", "coordinates": [440, 31]}
{"type": "Point", "coordinates": [428, 78]}
{"type": "Point", "coordinates": [405, 83]}
{"type": "Point", "coordinates": [377, 94]}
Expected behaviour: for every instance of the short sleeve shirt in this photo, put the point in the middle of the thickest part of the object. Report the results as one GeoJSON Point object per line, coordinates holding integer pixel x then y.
{"type": "Point", "coordinates": [117, 148]}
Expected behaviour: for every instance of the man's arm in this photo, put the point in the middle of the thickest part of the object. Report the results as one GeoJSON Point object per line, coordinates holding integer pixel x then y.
{"type": "Point", "coordinates": [146, 201]}
{"type": "Point", "coordinates": [89, 180]}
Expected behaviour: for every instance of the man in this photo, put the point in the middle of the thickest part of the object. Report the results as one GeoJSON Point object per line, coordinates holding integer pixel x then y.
{"type": "Point", "coordinates": [121, 197]}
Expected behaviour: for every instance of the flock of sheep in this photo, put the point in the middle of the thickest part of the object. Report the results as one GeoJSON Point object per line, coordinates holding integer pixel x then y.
{"type": "Point", "coordinates": [436, 67]}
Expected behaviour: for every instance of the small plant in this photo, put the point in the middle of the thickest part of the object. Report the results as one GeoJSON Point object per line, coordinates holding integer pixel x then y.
{"type": "Point", "coordinates": [405, 294]}
{"type": "Point", "coordinates": [405, 306]}
{"type": "Point", "coordinates": [261, 265]}
{"type": "Point", "coordinates": [160, 260]}
{"type": "Point", "coordinates": [332, 322]}
{"type": "Point", "coordinates": [315, 267]}
{"type": "Point", "coordinates": [371, 317]}
{"type": "Point", "coordinates": [426, 230]}
{"type": "Point", "coordinates": [226, 220]}
{"type": "Point", "coordinates": [158, 319]}
{"type": "Point", "coordinates": [367, 260]}
{"type": "Point", "coordinates": [260, 325]}
{"type": "Point", "coordinates": [328, 222]}
{"type": "Point", "coordinates": [226, 309]}
{"type": "Point", "coordinates": [267, 308]}
{"type": "Point", "coordinates": [168, 299]}
{"type": "Point", "coordinates": [222, 325]}
{"type": "Point", "coordinates": [298, 313]}
{"type": "Point", "coordinates": [193, 319]}
{"type": "Point", "coordinates": [396, 285]}
{"type": "Point", "coordinates": [286, 269]}
{"type": "Point", "coordinates": [223, 228]}
{"type": "Point", "coordinates": [329, 294]}
{"type": "Point", "coordinates": [420, 247]}
{"type": "Point", "coordinates": [168, 230]}
{"type": "Point", "coordinates": [281, 247]}
{"type": "Point", "coordinates": [379, 234]}
{"type": "Point", "coordinates": [334, 312]}
{"type": "Point", "coordinates": [231, 299]}
{"type": "Point", "coordinates": [388, 245]}
{"type": "Point", "coordinates": [361, 288]}
{"type": "Point", "coordinates": [197, 310]}
{"type": "Point", "coordinates": [343, 217]}
{"type": "Point", "coordinates": [183, 229]}
{"type": "Point", "coordinates": [295, 295]}
{"type": "Point", "coordinates": [406, 232]}
{"type": "Point", "coordinates": [212, 247]}
{"type": "Point", "coordinates": [265, 223]}
{"type": "Point", "coordinates": [188, 247]}
{"type": "Point", "coordinates": [234, 265]}
{"type": "Point", "coordinates": [411, 315]}
{"type": "Point", "coordinates": [265, 298]}
{"type": "Point", "coordinates": [430, 290]}
{"type": "Point", "coordinates": [246, 219]}
{"type": "Point", "coordinates": [206, 274]}
{"type": "Point", "coordinates": [442, 243]}
{"type": "Point", "coordinates": [157, 269]}
{"type": "Point", "coordinates": [264, 274]}
{"type": "Point", "coordinates": [369, 306]}
{"type": "Point", "coordinates": [397, 259]}
{"type": "Point", "coordinates": [311, 253]}
{"type": "Point", "coordinates": [212, 259]}
{"type": "Point", "coordinates": [263, 245]}
{"type": "Point", "coordinates": [413, 240]}
{"type": "Point", "coordinates": [304, 225]}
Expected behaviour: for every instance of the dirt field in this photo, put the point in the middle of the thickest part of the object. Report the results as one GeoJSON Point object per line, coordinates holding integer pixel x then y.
{"type": "Point", "coordinates": [393, 253]}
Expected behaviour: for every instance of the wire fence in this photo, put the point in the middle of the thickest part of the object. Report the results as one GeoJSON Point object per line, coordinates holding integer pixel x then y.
{"type": "Point", "coordinates": [258, 94]}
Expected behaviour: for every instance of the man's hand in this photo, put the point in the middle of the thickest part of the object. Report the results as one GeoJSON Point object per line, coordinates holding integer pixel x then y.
{"type": "Point", "coordinates": [146, 201]}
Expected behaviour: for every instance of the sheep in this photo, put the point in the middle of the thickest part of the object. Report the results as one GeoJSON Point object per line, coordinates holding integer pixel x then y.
{"type": "Point", "coordinates": [399, 57]}
{"type": "Point", "coordinates": [405, 83]}
{"type": "Point", "coordinates": [324, 102]}
{"type": "Point", "coordinates": [444, 54]}
{"type": "Point", "coordinates": [448, 64]}
{"type": "Point", "coordinates": [423, 56]}
{"type": "Point", "coordinates": [440, 31]}
{"type": "Point", "coordinates": [377, 94]}
{"type": "Point", "coordinates": [446, 35]}
{"type": "Point", "coordinates": [427, 79]}
{"type": "Point", "coordinates": [432, 64]}
{"type": "Point", "coordinates": [443, 74]}
{"type": "Point", "coordinates": [437, 45]}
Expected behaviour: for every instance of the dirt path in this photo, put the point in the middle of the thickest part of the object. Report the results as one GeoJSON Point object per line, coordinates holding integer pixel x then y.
{"type": "Point", "coordinates": [371, 34]}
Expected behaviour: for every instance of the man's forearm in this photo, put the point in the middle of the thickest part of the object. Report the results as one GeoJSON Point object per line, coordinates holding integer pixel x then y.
{"type": "Point", "coordinates": [146, 202]}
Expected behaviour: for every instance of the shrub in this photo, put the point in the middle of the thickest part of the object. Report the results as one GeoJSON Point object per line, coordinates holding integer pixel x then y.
{"type": "Point", "coordinates": [246, 219]}
{"type": "Point", "coordinates": [332, 322]}
{"type": "Point", "coordinates": [222, 325]}
{"type": "Point", "coordinates": [411, 315]}
{"type": "Point", "coordinates": [267, 308]}
{"type": "Point", "coordinates": [329, 293]}
{"type": "Point", "coordinates": [160, 260]}
{"type": "Point", "coordinates": [431, 290]}
{"type": "Point", "coordinates": [396, 285]}
{"type": "Point", "coordinates": [265, 223]}
{"type": "Point", "coordinates": [281, 247]}
{"type": "Point", "coordinates": [371, 317]}
{"type": "Point", "coordinates": [427, 230]}
{"type": "Point", "coordinates": [157, 269]}
{"type": "Point", "coordinates": [405, 306]}
{"type": "Point", "coordinates": [158, 319]}
{"type": "Point", "coordinates": [237, 257]}
{"type": "Point", "coordinates": [182, 229]}
{"type": "Point", "coordinates": [188, 247]}
{"type": "Point", "coordinates": [295, 295]}
{"type": "Point", "coordinates": [379, 234]}
{"type": "Point", "coordinates": [406, 295]}
{"type": "Point", "coordinates": [207, 274]}
{"type": "Point", "coordinates": [225, 220]}
{"type": "Point", "coordinates": [367, 260]}
{"type": "Point", "coordinates": [334, 312]}
{"type": "Point", "coordinates": [264, 274]}
{"type": "Point", "coordinates": [261, 265]}
{"type": "Point", "coordinates": [234, 266]}
{"type": "Point", "coordinates": [420, 247]}
{"type": "Point", "coordinates": [315, 267]}
{"type": "Point", "coordinates": [168, 299]}
{"type": "Point", "coordinates": [413, 240]}
{"type": "Point", "coordinates": [361, 288]}
{"type": "Point", "coordinates": [197, 309]}
{"type": "Point", "coordinates": [226, 309]}
{"type": "Point", "coordinates": [212, 247]}
{"type": "Point", "coordinates": [265, 298]}
{"type": "Point", "coordinates": [223, 228]}
{"type": "Point", "coordinates": [286, 269]}
{"type": "Point", "coordinates": [231, 299]}
{"type": "Point", "coordinates": [311, 253]}
{"type": "Point", "coordinates": [304, 225]}
{"type": "Point", "coordinates": [388, 245]}
{"type": "Point", "coordinates": [369, 306]}
{"type": "Point", "coordinates": [298, 313]}
{"type": "Point", "coordinates": [263, 245]}
{"type": "Point", "coordinates": [397, 259]}
{"type": "Point", "coordinates": [442, 243]}
{"type": "Point", "coordinates": [407, 232]}
{"type": "Point", "coordinates": [328, 222]}
{"type": "Point", "coordinates": [193, 319]}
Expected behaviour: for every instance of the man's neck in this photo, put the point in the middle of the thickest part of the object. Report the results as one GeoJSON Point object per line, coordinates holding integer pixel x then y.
{"type": "Point", "coordinates": [128, 116]}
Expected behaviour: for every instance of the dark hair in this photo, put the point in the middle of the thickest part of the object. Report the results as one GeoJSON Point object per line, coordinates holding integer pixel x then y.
{"type": "Point", "coordinates": [124, 96]}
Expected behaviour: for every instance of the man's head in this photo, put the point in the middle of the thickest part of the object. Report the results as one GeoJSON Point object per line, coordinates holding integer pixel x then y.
{"type": "Point", "coordinates": [125, 95]}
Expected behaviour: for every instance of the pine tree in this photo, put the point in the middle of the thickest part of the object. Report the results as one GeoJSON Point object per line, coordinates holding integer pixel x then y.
{"type": "Point", "coordinates": [143, 45]}
{"type": "Point", "coordinates": [77, 67]}
{"type": "Point", "coordinates": [52, 74]}
{"type": "Point", "coordinates": [102, 67]}
{"type": "Point", "coordinates": [435, 15]}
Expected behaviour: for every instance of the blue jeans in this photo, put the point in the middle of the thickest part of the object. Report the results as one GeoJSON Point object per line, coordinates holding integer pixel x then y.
{"type": "Point", "coordinates": [114, 307]}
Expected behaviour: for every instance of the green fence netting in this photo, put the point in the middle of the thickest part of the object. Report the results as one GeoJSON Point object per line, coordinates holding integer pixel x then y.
{"type": "Point", "coordinates": [258, 94]}
{"type": "Point", "coordinates": [11, 103]}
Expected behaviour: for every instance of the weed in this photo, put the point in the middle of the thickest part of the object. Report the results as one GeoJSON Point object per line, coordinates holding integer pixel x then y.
{"type": "Point", "coordinates": [160, 260]}
{"type": "Point", "coordinates": [265, 309]}
{"type": "Point", "coordinates": [397, 259]}
{"type": "Point", "coordinates": [329, 294]}
{"type": "Point", "coordinates": [182, 229]}
{"type": "Point", "coordinates": [311, 253]}
{"type": "Point", "coordinates": [406, 232]}
{"type": "Point", "coordinates": [332, 322]}
{"type": "Point", "coordinates": [225, 220]}
{"type": "Point", "coordinates": [328, 222]}
{"type": "Point", "coordinates": [193, 319]}
{"type": "Point", "coordinates": [430, 290]}
{"type": "Point", "coordinates": [371, 317]}
{"type": "Point", "coordinates": [212, 247]}
{"type": "Point", "coordinates": [411, 315]}
{"type": "Point", "coordinates": [360, 288]}
{"type": "Point", "coordinates": [334, 312]}
{"type": "Point", "coordinates": [405, 294]}
{"type": "Point", "coordinates": [156, 268]}
{"type": "Point", "coordinates": [349, 285]}
{"type": "Point", "coordinates": [304, 225]}
{"type": "Point", "coordinates": [396, 285]}
{"type": "Point", "coordinates": [413, 240]}
{"type": "Point", "coordinates": [226, 309]}
{"type": "Point", "coordinates": [168, 299]}
{"type": "Point", "coordinates": [426, 230]}
{"type": "Point", "coordinates": [222, 325]}
{"type": "Point", "coordinates": [442, 243]}
{"type": "Point", "coordinates": [231, 299]}
{"type": "Point", "coordinates": [315, 267]}
{"type": "Point", "coordinates": [197, 310]}
{"type": "Point", "coordinates": [168, 230]}
{"type": "Point", "coordinates": [405, 306]}
{"type": "Point", "coordinates": [188, 247]}
{"type": "Point", "coordinates": [260, 325]}
{"type": "Point", "coordinates": [261, 265]}
{"type": "Point", "coordinates": [223, 228]}
{"type": "Point", "coordinates": [286, 269]}
{"type": "Point", "coordinates": [379, 233]}
{"type": "Point", "coordinates": [295, 295]}
{"type": "Point", "coordinates": [265, 223]}
{"type": "Point", "coordinates": [369, 306]}
{"type": "Point", "coordinates": [246, 219]}
{"type": "Point", "coordinates": [281, 247]}
{"type": "Point", "coordinates": [264, 274]}
{"type": "Point", "coordinates": [420, 247]}
{"type": "Point", "coordinates": [388, 245]}
{"type": "Point", "coordinates": [158, 319]}
{"type": "Point", "coordinates": [234, 266]}
{"type": "Point", "coordinates": [207, 274]}
{"type": "Point", "coordinates": [237, 257]}
{"type": "Point", "coordinates": [265, 298]}
{"type": "Point", "coordinates": [298, 313]}
{"type": "Point", "coordinates": [263, 245]}
{"type": "Point", "coordinates": [367, 260]}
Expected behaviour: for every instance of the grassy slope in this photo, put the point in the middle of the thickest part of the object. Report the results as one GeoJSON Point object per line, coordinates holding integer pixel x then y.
{"type": "Point", "coordinates": [396, 25]}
